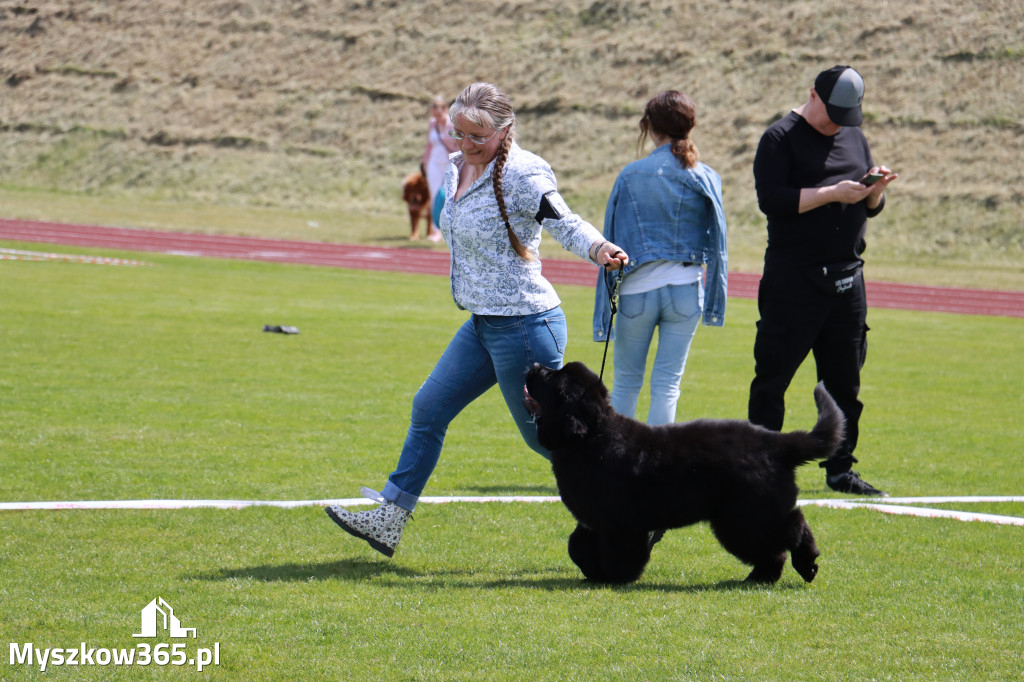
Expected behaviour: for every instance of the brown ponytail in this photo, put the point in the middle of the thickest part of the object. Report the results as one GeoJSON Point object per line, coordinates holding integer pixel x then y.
{"type": "Point", "coordinates": [686, 152]}
{"type": "Point", "coordinates": [673, 115]}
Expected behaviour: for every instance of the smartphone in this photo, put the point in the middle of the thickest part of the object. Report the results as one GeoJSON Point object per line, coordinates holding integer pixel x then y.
{"type": "Point", "coordinates": [871, 178]}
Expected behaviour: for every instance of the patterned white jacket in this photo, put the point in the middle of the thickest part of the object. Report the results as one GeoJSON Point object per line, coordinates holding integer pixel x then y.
{"type": "Point", "coordinates": [487, 276]}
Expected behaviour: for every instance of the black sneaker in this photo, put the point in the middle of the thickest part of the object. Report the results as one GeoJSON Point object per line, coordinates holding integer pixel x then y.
{"type": "Point", "coordinates": [851, 482]}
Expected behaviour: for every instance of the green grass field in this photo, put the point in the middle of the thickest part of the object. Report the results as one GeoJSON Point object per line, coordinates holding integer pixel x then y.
{"type": "Point", "coordinates": [157, 382]}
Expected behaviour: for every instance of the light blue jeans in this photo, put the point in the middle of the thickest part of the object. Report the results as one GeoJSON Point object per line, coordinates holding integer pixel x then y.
{"type": "Point", "coordinates": [675, 311]}
{"type": "Point", "coordinates": [486, 350]}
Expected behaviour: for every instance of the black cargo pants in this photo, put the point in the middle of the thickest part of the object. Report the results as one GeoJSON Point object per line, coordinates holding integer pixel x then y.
{"type": "Point", "coordinates": [797, 318]}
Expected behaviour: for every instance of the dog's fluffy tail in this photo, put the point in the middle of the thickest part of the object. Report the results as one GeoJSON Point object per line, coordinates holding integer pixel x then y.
{"type": "Point", "coordinates": [823, 440]}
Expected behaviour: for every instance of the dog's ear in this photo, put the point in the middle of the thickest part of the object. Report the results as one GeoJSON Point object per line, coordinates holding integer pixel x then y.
{"type": "Point", "coordinates": [576, 427]}
{"type": "Point", "coordinates": [585, 406]}
{"type": "Point", "coordinates": [590, 410]}
{"type": "Point", "coordinates": [555, 431]}
{"type": "Point", "coordinates": [573, 425]}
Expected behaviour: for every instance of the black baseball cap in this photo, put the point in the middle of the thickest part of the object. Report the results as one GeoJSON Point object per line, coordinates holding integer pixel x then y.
{"type": "Point", "coordinates": [841, 89]}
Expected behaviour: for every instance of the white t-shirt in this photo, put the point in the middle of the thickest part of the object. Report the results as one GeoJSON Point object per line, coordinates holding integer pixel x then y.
{"type": "Point", "coordinates": [659, 273]}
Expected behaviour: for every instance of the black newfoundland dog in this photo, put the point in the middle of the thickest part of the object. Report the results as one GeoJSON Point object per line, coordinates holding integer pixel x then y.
{"type": "Point", "coordinates": [627, 482]}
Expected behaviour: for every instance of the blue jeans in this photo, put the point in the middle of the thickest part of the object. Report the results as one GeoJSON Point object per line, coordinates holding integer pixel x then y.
{"type": "Point", "coordinates": [674, 311]}
{"type": "Point", "coordinates": [486, 350]}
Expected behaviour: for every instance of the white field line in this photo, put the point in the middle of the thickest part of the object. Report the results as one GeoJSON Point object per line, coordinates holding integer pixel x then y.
{"type": "Point", "coordinates": [898, 506]}
{"type": "Point", "coordinates": [18, 254]}
{"type": "Point", "coordinates": [241, 504]}
{"type": "Point", "coordinates": [901, 508]}
{"type": "Point", "coordinates": [961, 499]}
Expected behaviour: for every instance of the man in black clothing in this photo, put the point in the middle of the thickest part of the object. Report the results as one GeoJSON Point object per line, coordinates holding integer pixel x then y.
{"type": "Point", "coordinates": [817, 184]}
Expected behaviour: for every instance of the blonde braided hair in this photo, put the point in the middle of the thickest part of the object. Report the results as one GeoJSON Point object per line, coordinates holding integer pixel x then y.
{"type": "Point", "coordinates": [496, 177]}
{"type": "Point", "coordinates": [488, 105]}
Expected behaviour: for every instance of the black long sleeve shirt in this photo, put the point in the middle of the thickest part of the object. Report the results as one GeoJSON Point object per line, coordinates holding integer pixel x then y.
{"type": "Point", "coordinates": [793, 155]}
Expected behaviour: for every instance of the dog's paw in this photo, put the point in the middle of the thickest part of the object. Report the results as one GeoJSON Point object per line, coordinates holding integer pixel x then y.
{"type": "Point", "coordinates": [767, 573]}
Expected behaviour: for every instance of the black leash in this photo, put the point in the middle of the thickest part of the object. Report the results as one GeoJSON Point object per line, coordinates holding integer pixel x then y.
{"type": "Point", "coordinates": [614, 299]}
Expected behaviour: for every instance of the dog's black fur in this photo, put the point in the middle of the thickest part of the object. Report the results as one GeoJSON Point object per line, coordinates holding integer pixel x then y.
{"type": "Point", "coordinates": [626, 482]}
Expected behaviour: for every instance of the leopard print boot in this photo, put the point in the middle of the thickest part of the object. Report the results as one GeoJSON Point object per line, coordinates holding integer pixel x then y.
{"type": "Point", "coordinates": [381, 527]}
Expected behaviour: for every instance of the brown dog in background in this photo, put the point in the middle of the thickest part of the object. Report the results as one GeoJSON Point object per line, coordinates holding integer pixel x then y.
{"type": "Point", "coordinates": [416, 194]}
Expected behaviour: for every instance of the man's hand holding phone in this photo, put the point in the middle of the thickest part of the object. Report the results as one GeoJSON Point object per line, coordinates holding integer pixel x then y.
{"type": "Point", "coordinates": [869, 189]}
{"type": "Point", "coordinates": [875, 182]}
{"type": "Point", "coordinates": [877, 174]}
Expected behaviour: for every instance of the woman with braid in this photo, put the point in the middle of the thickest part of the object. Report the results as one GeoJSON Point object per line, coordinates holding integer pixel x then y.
{"type": "Point", "coordinates": [500, 197]}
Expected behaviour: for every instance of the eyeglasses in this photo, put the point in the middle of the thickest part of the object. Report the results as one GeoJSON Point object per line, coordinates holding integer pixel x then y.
{"type": "Point", "coordinates": [459, 136]}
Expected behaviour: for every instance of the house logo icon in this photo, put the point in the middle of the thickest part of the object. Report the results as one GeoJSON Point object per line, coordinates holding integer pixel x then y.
{"type": "Point", "coordinates": [170, 621]}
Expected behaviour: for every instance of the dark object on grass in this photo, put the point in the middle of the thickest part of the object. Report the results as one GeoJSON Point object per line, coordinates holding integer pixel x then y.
{"type": "Point", "coordinates": [278, 329]}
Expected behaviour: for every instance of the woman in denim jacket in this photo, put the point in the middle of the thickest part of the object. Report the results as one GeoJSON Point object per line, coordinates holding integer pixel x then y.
{"type": "Point", "coordinates": [666, 212]}
{"type": "Point", "coordinates": [498, 198]}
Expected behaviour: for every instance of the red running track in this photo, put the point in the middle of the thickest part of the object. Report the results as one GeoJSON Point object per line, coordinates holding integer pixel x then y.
{"type": "Point", "coordinates": [412, 260]}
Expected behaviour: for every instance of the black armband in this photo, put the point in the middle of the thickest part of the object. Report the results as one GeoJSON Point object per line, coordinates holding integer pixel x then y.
{"type": "Point", "coordinates": [552, 206]}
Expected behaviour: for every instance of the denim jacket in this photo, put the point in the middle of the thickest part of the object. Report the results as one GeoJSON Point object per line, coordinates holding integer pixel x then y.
{"type": "Point", "coordinates": [487, 276]}
{"type": "Point", "coordinates": [659, 210]}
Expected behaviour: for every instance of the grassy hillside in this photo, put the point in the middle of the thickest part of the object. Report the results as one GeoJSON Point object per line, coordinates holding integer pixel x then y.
{"type": "Point", "coordinates": [300, 119]}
